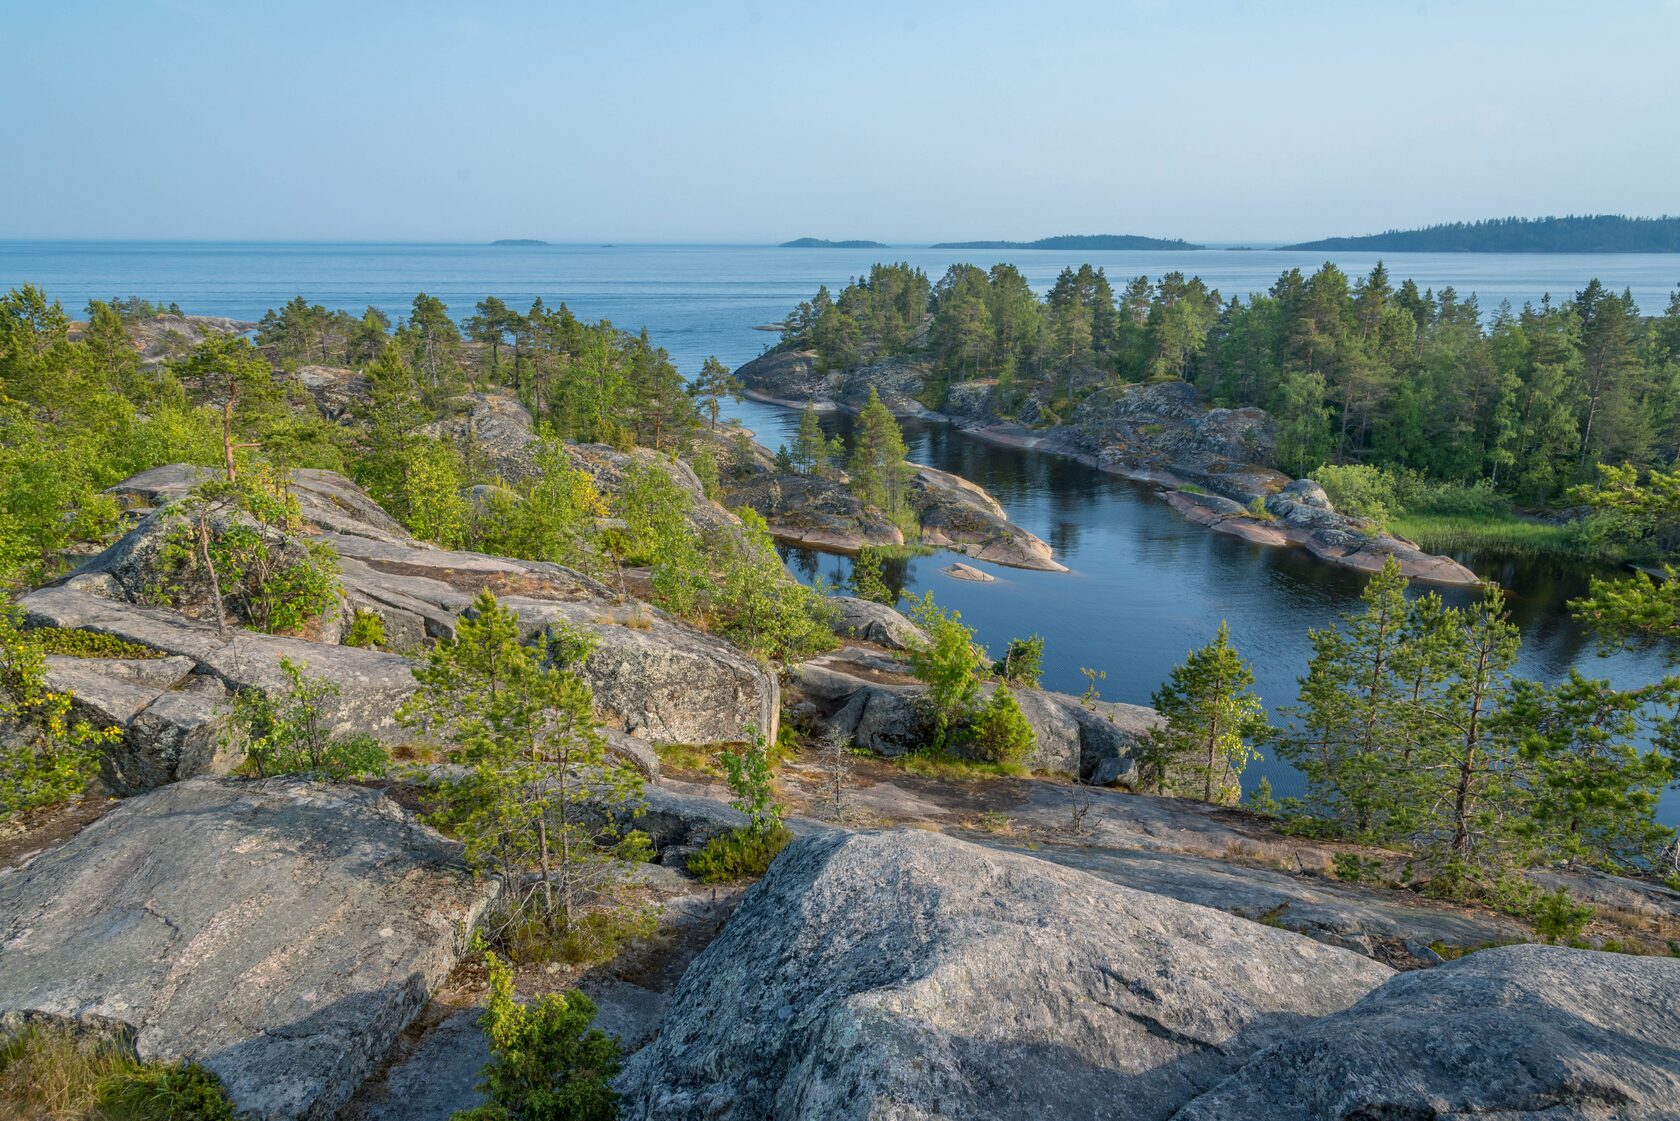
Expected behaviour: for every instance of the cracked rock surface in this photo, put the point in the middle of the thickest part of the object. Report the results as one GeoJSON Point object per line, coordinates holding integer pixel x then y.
{"type": "Point", "coordinates": [911, 975]}
{"type": "Point", "coordinates": [280, 932]}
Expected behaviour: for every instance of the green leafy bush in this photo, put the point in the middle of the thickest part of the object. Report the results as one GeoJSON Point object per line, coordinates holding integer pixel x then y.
{"type": "Point", "coordinates": [1358, 490]}
{"type": "Point", "coordinates": [47, 1072]}
{"type": "Point", "coordinates": [49, 756]}
{"type": "Point", "coordinates": [165, 1092]}
{"type": "Point", "coordinates": [547, 1063]}
{"type": "Point", "coordinates": [367, 630]}
{"type": "Point", "coordinates": [1558, 918]}
{"type": "Point", "coordinates": [1000, 732]}
{"type": "Point", "coordinates": [293, 736]}
{"type": "Point", "coordinates": [237, 545]}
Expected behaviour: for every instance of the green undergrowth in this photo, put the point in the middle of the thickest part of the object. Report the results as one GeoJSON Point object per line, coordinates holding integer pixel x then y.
{"type": "Point", "coordinates": [45, 1072]}
{"type": "Point", "coordinates": [740, 854]}
{"type": "Point", "coordinates": [948, 765]}
{"type": "Point", "coordinates": [73, 643]}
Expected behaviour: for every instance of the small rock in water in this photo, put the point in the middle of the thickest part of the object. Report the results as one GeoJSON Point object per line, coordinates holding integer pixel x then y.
{"type": "Point", "coordinates": [960, 571]}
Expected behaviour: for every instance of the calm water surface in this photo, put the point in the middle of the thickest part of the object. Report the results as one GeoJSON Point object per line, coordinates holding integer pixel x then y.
{"type": "Point", "coordinates": [1145, 584]}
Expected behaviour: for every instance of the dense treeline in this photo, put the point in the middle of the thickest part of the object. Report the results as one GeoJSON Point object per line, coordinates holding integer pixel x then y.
{"type": "Point", "coordinates": [1530, 400]}
{"type": "Point", "coordinates": [589, 381]}
{"type": "Point", "coordinates": [1584, 233]}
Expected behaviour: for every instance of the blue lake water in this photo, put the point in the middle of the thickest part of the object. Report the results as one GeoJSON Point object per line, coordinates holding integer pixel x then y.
{"type": "Point", "coordinates": [1145, 584]}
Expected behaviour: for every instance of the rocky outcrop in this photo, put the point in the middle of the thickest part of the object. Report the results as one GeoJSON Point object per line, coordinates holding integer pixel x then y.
{"type": "Point", "coordinates": [327, 501]}
{"type": "Point", "coordinates": [654, 678]}
{"type": "Point", "coordinates": [909, 974]}
{"type": "Point", "coordinates": [162, 338]}
{"type": "Point", "coordinates": [957, 570]}
{"type": "Point", "coordinates": [959, 515]}
{"type": "Point", "coordinates": [869, 621]}
{"type": "Point", "coordinates": [174, 735]}
{"type": "Point", "coordinates": [785, 376]}
{"type": "Point", "coordinates": [1525, 1032]}
{"type": "Point", "coordinates": [281, 933]}
{"type": "Point", "coordinates": [495, 431]}
{"type": "Point", "coordinates": [809, 511]}
{"type": "Point", "coordinates": [334, 389]}
{"type": "Point", "coordinates": [881, 708]}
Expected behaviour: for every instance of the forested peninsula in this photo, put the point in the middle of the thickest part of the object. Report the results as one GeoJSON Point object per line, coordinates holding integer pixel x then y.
{"type": "Point", "coordinates": [1598, 233]}
{"type": "Point", "coordinates": [1094, 242]}
{"type": "Point", "coordinates": [460, 643]}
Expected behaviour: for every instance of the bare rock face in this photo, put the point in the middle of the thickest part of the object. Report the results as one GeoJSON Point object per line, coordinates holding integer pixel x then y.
{"type": "Point", "coordinates": [1525, 1033]}
{"type": "Point", "coordinates": [282, 933]}
{"type": "Point", "coordinates": [960, 515]}
{"type": "Point", "coordinates": [911, 975]}
{"type": "Point", "coordinates": [874, 622]}
{"type": "Point", "coordinates": [957, 570]}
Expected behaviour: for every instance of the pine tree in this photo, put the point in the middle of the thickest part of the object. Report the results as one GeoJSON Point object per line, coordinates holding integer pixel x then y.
{"type": "Point", "coordinates": [522, 721]}
{"type": "Point", "coordinates": [711, 385]}
{"type": "Point", "coordinates": [1212, 720]}
{"type": "Point", "coordinates": [880, 476]}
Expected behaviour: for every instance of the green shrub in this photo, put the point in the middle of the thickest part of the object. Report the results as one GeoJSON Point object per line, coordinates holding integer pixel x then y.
{"type": "Point", "coordinates": [232, 545]}
{"type": "Point", "coordinates": [1000, 732]}
{"type": "Point", "coordinates": [1022, 662]}
{"type": "Point", "coordinates": [72, 643]}
{"type": "Point", "coordinates": [1359, 490]}
{"type": "Point", "coordinates": [165, 1092]}
{"type": "Point", "coordinates": [750, 777]}
{"type": "Point", "coordinates": [1558, 918]}
{"type": "Point", "coordinates": [740, 854]}
{"type": "Point", "coordinates": [292, 735]}
{"type": "Point", "coordinates": [47, 756]}
{"type": "Point", "coordinates": [547, 1063]}
{"type": "Point", "coordinates": [367, 630]}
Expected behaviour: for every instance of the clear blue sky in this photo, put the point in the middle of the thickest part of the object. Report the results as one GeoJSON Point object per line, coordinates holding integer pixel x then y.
{"type": "Point", "coordinates": [715, 121]}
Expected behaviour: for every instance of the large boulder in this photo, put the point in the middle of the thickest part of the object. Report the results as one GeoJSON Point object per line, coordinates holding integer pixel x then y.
{"type": "Point", "coordinates": [1524, 1033]}
{"type": "Point", "coordinates": [877, 704]}
{"type": "Point", "coordinates": [874, 622]}
{"type": "Point", "coordinates": [911, 975]}
{"type": "Point", "coordinates": [282, 933]}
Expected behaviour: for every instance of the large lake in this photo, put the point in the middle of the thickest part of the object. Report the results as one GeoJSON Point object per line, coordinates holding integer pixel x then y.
{"type": "Point", "coordinates": [1145, 584]}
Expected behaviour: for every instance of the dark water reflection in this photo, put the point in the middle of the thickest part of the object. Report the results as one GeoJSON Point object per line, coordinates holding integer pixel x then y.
{"type": "Point", "coordinates": [1146, 585]}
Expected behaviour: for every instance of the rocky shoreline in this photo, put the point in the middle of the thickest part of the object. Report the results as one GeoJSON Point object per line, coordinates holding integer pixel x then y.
{"type": "Point", "coordinates": [1203, 459]}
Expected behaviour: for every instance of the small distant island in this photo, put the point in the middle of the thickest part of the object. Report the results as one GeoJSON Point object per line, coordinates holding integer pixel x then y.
{"type": "Point", "coordinates": [518, 241]}
{"type": "Point", "coordinates": [821, 243]}
{"type": "Point", "coordinates": [1077, 241]}
{"type": "Point", "coordinates": [1596, 233]}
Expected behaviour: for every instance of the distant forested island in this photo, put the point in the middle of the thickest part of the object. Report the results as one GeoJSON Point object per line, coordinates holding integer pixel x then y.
{"type": "Point", "coordinates": [1596, 233]}
{"type": "Point", "coordinates": [1077, 241]}
{"type": "Point", "coordinates": [518, 241]}
{"type": "Point", "coordinates": [820, 243]}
